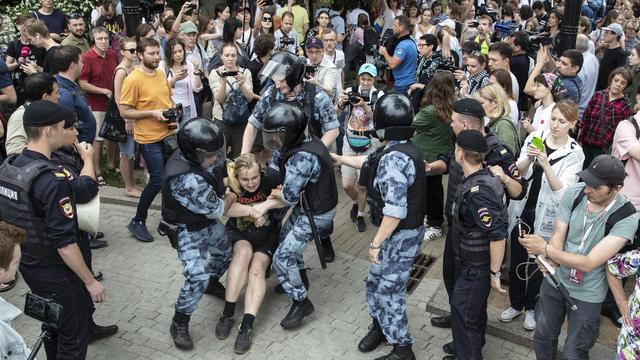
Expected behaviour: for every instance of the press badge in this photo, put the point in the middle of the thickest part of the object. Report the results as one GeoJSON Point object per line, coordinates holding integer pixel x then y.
{"type": "Point", "coordinates": [575, 277]}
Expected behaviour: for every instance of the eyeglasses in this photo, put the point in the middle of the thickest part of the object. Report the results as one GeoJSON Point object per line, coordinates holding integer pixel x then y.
{"type": "Point", "coordinates": [264, 18]}
{"type": "Point", "coordinates": [131, 51]}
{"type": "Point", "coordinates": [422, 45]}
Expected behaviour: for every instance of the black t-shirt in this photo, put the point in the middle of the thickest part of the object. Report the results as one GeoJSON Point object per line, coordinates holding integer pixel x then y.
{"type": "Point", "coordinates": [520, 69]}
{"type": "Point", "coordinates": [257, 235]}
{"type": "Point", "coordinates": [611, 59]}
{"type": "Point", "coordinates": [114, 25]}
{"type": "Point", "coordinates": [47, 64]}
{"type": "Point", "coordinates": [56, 22]}
{"type": "Point", "coordinates": [17, 50]}
{"type": "Point", "coordinates": [254, 67]}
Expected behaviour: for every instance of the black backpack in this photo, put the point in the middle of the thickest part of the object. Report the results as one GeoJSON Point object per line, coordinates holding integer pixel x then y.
{"type": "Point", "coordinates": [236, 111]}
{"type": "Point", "coordinates": [625, 211]}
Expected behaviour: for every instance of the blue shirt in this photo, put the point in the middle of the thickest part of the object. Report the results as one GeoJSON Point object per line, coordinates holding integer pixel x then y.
{"type": "Point", "coordinates": [405, 73]}
{"type": "Point", "coordinates": [71, 97]}
{"type": "Point", "coordinates": [573, 85]}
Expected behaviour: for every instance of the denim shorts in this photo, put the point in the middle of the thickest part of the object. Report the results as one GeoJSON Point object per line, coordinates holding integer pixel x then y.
{"type": "Point", "coordinates": [128, 147]}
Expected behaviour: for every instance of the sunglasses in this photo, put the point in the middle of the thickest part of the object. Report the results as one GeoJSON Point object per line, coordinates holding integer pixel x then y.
{"type": "Point", "coordinates": [131, 51]}
{"type": "Point", "coordinates": [75, 16]}
{"type": "Point", "coordinates": [264, 18]}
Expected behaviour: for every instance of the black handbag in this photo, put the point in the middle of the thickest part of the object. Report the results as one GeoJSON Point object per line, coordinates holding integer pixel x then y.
{"type": "Point", "coordinates": [112, 127]}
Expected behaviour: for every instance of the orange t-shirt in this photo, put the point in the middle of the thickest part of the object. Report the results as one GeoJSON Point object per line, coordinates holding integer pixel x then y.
{"type": "Point", "coordinates": [147, 92]}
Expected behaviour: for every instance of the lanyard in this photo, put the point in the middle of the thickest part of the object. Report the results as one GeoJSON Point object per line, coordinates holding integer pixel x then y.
{"type": "Point", "coordinates": [587, 230]}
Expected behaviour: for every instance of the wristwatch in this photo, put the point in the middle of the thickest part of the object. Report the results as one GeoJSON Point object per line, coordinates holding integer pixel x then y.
{"type": "Point", "coordinates": [495, 274]}
{"type": "Point", "coordinates": [374, 246]}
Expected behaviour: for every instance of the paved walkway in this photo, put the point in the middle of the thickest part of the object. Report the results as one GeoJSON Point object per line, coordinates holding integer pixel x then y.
{"type": "Point", "coordinates": [143, 280]}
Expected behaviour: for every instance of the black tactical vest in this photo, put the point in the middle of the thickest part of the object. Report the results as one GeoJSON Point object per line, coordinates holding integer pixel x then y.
{"type": "Point", "coordinates": [16, 206]}
{"type": "Point", "coordinates": [307, 105]}
{"type": "Point", "coordinates": [471, 245]}
{"type": "Point", "coordinates": [416, 194]}
{"type": "Point", "coordinates": [172, 211]}
{"type": "Point", "coordinates": [322, 195]}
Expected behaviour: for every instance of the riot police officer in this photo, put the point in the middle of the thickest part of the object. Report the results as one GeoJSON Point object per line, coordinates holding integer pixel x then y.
{"type": "Point", "coordinates": [305, 167]}
{"type": "Point", "coordinates": [193, 201]}
{"type": "Point", "coordinates": [396, 192]}
{"type": "Point", "coordinates": [479, 231]}
{"type": "Point", "coordinates": [36, 196]}
{"type": "Point", "coordinates": [287, 72]}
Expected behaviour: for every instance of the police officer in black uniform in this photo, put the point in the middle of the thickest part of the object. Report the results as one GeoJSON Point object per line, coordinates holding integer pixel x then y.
{"type": "Point", "coordinates": [469, 114]}
{"type": "Point", "coordinates": [479, 227]}
{"type": "Point", "coordinates": [36, 196]}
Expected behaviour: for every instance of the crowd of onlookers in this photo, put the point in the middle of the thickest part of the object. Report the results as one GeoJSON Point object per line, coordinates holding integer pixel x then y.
{"type": "Point", "coordinates": [555, 111]}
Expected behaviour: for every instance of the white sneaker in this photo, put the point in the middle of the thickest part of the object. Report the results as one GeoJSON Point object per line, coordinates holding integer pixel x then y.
{"type": "Point", "coordinates": [509, 314]}
{"type": "Point", "coordinates": [432, 233]}
{"type": "Point", "coordinates": [529, 322]}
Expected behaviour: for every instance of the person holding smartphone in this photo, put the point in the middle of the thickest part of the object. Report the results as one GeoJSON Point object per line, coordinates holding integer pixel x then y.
{"type": "Point", "coordinates": [182, 76]}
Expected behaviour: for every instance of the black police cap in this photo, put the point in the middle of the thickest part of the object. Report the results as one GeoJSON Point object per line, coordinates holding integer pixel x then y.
{"type": "Point", "coordinates": [42, 113]}
{"type": "Point", "coordinates": [468, 106]}
{"type": "Point", "coordinates": [472, 140]}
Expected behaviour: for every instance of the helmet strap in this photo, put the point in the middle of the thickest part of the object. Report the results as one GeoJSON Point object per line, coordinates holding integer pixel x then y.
{"type": "Point", "coordinates": [396, 133]}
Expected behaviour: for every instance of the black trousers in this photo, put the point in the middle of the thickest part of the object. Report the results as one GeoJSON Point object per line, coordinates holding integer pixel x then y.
{"type": "Point", "coordinates": [70, 339]}
{"type": "Point", "coordinates": [522, 294]}
{"type": "Point", "coordinates": [435, 201]}
{"type": "Point", "coordinates": [469, 311]}
{"type": "Point", "coordinates": [590, 152]}
{"type": "Point", "coordinates": [448, 262]}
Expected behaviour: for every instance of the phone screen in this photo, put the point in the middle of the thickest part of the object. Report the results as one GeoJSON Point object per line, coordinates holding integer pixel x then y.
{"type": "Point", "coordinates": [538, 143]}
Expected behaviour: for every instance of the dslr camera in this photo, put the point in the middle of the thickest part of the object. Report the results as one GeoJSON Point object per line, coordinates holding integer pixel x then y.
{"type": "Point", "coordinates": [378, 60]}
{"type": "Point", "coordinates": [43, 310]}
{"type": "Point", "coordinates": [174, 116]}
{"type": "Point", "coordinates": [286, 41]}
{"type": "Point", "coordinates": [310, 71]}
{"type": "Point", "coordinates": [355, 96]}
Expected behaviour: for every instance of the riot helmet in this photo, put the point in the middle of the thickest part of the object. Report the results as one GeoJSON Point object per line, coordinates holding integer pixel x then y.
{"type": "Point", "coordinates": [200, 140]}
{"type": "Point", "coordinates": [285, 66]}
{"type": "Point", "coordinates": [392, 117]}
{"type": "Point", "coordinates": [283, 127]}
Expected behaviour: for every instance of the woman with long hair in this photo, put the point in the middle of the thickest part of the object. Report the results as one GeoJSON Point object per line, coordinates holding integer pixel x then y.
{"type": "Point", "coordinates": [424, 26]}
{"type": "Point", "coordinates": [263, 25]}
{"type": "Point", "coordinates": [127, 149]}
{"type": "Point", "coordinates": [182, 78]}
{"type": "Point", "coordinates": [208, 34]}
{"type": "Point", "coordinates": [254, 243]}
{"type": "Point", "coordinates": [495, 102]}
{"type": "Point", "coordinates": [634, 64]}
{"type": "Point", "coordinates": [503, 78]}
{"type": "Point", "coordinates": [554, 23]}
{"type": "Point", "coordinates": [477, 77]}
{"type": "Point", "coordinates": [434, 136]}
{"type": "Point", "coordinates": [548, 169]}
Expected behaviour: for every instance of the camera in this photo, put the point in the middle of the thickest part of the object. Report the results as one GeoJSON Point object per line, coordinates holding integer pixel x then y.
{"type": "Point", "coordinates": [229, 73]}
{"type": "Point", "coordinates": [43, 310]}
{"type": "Point", "coordinates": [378, 60]}
{"type": "Point", "coordinates": [310, 71]}
{"type": "Point", "coordinates": [192, 7]}
{"type": "Point", "coordinates": [173, 116]}
{"type": "Point", "coordinates": [474, 24]}
{"type": "Point", "coordinates": [285, 40]}
{"type": "Point", "coordinates": [267, 2]}
{"type": "Point", "coordinates": [354, 97]}
{"type": "Point", "coordinates": [540, 40]}
{"type": "Point", "coordinates": [484, 10]}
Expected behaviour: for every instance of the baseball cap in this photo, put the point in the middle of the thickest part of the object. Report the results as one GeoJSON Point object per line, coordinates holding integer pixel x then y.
{"type": "Point", "coordinates": [604, 169]}
{"type": "Point", "coordinates": [615, 27]}
{"type": "Point", "coordinates": [468, 106]}
{"type": "Point", "coordinates": [188, 27]}
{"type": "Point", "coordinates": [313, 42]}
{"type": "Point", "coordinates": [368, 69]}
{"type": "Point", "coordinates": [450, 23]}
{"type": "Point", "coordinates": [472, 140]}
{"type": "Point", "coordinates": [42, 113]}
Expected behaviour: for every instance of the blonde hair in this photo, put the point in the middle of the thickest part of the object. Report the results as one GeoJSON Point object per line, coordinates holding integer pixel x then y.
{"type": "Point", "coordinates": [242, 162]}
{"type": "Point", "coordinates": [495, 92]}
{"type": "Point", "coordinates": [568, 109]}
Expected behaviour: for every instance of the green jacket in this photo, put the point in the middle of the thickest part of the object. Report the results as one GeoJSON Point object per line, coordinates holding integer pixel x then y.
{"type": "Point", "coordinates": [433, 136]}
{"type": "Point", "coordinates": [505, 130]}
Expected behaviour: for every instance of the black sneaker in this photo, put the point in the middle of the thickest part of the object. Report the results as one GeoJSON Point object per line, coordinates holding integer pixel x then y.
{"type": "Point", "coordinates": [95, 243]}
{"type": "Point", "coordinates": [139, 230]}
{"type": "Point", "coordinates": [223, 329]}
{"type": "Point", "coordinates": [243, 341]}
{"type": "Point", "coordinates": [354, 212]}
{"type": "Point", "coordinates": [361, 224]}
{"type": "Point", "coordinates": [99, 332]}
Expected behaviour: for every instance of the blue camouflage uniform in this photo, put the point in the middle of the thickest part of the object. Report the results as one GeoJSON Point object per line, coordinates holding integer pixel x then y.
{"type": "Point", "coordinates": [301, 168]}
{"type": "Point", "coordinates": [386, 284]}
{"type": "Point", "coordinates": [205, 252]}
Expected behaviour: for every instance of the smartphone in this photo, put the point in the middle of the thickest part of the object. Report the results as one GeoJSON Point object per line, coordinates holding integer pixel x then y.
{"type": "Point", "coordinates": [230, 73]}
{"type": "Point", "coordinates": [538, 143]}
{"type": "Point", "coordinates": [43, 310]}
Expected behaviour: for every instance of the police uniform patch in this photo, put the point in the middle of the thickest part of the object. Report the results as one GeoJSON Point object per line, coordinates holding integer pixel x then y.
{"type": "Point", "coordinates": [503, 151]}
{"type": "Point", "coordinates": [67, 173]}
{"type": "Point", "coordinates": [475, 188]}
{"type": "Point", "coordinates": [66, 207]}
{"type": "Point", "coordinates": [59, 175]}
{"type": "Point", "coordinates": [485, 217]}
{"type": "Point", "coordinates": [514, 171]}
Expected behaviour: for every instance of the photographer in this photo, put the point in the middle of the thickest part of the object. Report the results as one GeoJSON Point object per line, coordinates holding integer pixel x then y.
{"type": "Point", "coordinates": [11, 343]}
{"type": "Point", "coordinates": [403, 60]}
{"type": "Point", "coordinates": [358, 104]}
{"type": "Point", "coordinates": [323, 72]}
{"type": "Point", "coordinates": [286, 36]}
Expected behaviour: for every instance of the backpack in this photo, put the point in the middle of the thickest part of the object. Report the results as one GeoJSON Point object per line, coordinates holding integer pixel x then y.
{"type": "Point", "coordinates": [633, 122]}
{"type": "Point", "coordinates": [358, 133]}
{"type": "Point", "coordinates": [625, 211]}
{"type": "Point", "coordinates": [237, 110]}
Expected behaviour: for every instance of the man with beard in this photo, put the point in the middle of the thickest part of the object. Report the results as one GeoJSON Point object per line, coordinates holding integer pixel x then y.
{"type": "Point", "coordinates": [145, 96]}
{"type": "Point", "coordinates": [76, 30]}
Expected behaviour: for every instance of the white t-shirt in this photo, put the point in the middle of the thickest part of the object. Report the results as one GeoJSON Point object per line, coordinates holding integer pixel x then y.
{"type": "Point", "coordinates": [542, 117]}
{"type": "Point", "coordinates": [352, 16]}
{"type": "Point", "coordinates": [515, 114]}
{"type": "Point", "coordinates": [515, 87]}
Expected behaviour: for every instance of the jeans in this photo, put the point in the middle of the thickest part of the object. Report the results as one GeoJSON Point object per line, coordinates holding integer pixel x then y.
{"type": "Point", "coordinates": [154, 157]}
{"type": "Point", "coordinates": [582, 329]}
{"type": "Point", "coordinates": [435, 201]}
{"type": "Point", "coordinates": [340, 138]}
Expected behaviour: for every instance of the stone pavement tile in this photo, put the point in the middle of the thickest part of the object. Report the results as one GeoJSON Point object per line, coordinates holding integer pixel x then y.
{"type": "Point", "coordinates": [143, 280]}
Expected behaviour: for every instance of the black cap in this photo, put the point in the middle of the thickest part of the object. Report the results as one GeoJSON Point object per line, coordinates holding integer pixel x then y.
{"type": "Point", "coordinates": [472, 140]}
{"type": "Point", "coordinates": [603, 170]}
{"type": "Point", "coordinates": [42, 113]}
{"type": "Point", "coordinates": [468, 106]}
{"type": "Point", "coordinates": [70, 117]}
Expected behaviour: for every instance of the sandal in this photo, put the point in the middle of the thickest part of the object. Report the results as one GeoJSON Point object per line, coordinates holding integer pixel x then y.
{"type": "Point", "coordinates": [100, 180]}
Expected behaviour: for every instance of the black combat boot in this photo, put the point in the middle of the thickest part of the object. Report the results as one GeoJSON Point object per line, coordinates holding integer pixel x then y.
{"type": "Point", "coordinates": [305, 280]}
{"type": "Point", "coordinates": [215, 288]}
{"type": "Point", "coordinates": [373, 339]}
{"type": "Point", "coordinates": [180, 331]}
{"type": "Point", "coordinates": [299, 309]}
{"type": "Point", "coordinates": [329, 254]}
{"type": "Point", "coordinates": [399, 352]}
